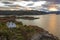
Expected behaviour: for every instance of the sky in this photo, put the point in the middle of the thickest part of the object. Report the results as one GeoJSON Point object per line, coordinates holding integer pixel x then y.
{"type": "Point", "coordinates": [40, 5]}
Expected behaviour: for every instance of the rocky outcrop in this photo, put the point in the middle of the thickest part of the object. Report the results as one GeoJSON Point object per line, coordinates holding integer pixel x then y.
{"type": "Point", "coordinates": [24, 32]}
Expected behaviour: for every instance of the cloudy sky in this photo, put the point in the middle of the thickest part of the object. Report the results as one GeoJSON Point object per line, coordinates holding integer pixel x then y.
{"type": "Point", "coordinates": [40, 5]}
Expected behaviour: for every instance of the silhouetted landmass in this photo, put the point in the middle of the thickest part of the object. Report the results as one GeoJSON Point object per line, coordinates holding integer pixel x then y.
{"type": "Point", "coordinates": [54, 12]}
{"type": "Point", "coordinates": [20, 12]}
{"type": "Point", "coordinates": [27, 18]}
{"type": "Point", "coordinates": [26, 12]}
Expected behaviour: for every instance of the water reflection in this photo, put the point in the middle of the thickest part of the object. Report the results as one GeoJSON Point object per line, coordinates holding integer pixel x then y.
{"type": "Point", "coordinates": [50, 22]}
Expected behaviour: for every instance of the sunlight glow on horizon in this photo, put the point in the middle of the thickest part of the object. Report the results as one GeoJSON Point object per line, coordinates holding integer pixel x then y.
{"type": "Point", "coordinates": [52, 7]}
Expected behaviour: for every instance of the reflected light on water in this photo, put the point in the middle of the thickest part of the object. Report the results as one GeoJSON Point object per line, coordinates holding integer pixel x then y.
{"type": "Point", "coordinates": [52, 23]}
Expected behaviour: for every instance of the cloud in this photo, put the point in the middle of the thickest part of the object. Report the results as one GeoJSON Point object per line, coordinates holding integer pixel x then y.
{"type": "Point", "coordinates": [30, 3]}
{"type": "Point", "coordinates": [34, 4]}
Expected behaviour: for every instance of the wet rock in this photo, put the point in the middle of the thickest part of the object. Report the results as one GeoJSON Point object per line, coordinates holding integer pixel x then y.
{"type": "Point", "coordinates": [44, 36]}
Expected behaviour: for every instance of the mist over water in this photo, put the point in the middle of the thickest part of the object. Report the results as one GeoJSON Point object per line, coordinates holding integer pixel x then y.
{"type": "Point", "coordinates": [50, 22]}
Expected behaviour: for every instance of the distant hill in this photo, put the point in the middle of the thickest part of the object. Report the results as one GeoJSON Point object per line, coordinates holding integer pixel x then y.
{"type": "Point", "coordinates": [54, 12]}
{"type": "Point", "coordinates": [27, 12]}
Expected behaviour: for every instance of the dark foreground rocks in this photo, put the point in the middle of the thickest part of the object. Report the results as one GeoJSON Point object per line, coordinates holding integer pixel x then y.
{"type": "Point", "coordinates": [24, 32]}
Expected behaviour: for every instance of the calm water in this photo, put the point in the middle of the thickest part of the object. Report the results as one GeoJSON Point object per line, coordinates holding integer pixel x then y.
{"type": "Point", "coordinates": [49, 22]}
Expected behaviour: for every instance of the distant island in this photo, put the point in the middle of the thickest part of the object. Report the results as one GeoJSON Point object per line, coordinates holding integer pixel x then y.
{"type": "Point", "coordinates": [28, 18]}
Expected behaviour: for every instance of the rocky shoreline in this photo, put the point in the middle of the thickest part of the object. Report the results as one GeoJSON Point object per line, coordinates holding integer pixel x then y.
{"type": "Point", "coordinates": [24, 32]}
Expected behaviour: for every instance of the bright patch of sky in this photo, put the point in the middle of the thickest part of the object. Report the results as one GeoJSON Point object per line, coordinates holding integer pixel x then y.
{"type": "Point", "coordinates": [30, 3]}
{"type": "Point", "coordinates": [1, 4]}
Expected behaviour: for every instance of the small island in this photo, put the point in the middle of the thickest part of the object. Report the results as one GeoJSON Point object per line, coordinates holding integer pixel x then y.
{"type": "Point", "coordinates": [28, 18]}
